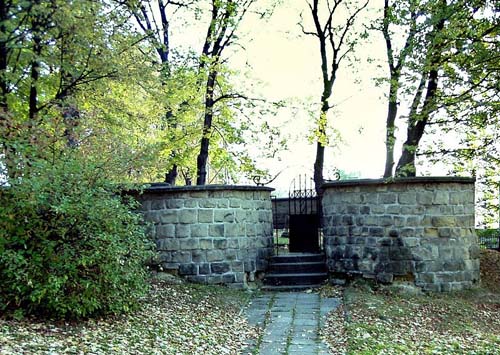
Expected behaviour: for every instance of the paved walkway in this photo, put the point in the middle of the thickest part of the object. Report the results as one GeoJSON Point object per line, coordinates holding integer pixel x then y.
{"type": "Point", "coordinates": [291, 322]}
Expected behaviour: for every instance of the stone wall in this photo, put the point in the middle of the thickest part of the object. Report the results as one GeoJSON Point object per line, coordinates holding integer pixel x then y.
{"type": "Point", "coordinates": [414, 229]}
{"type": "Point", "coordinates": [213, 233]}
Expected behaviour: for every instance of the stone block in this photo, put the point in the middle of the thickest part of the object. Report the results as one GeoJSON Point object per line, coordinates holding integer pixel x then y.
{"type": "Point", "coordinates": [199, 256]}
{"type": "Point", "coordinates": [216, 230]}
{"type": "Point", "coordinates": [393, 209]}
{"type": "Point", "coordinates": [386, 221]}
{"type": "Point", "coordinates": [220, 267]}
{"type": "Point", "coordinates": [205, 216]}
{"type": "Point", "coordinates": [215, 255]}
{"type": "Point", "coordinates": [234, 230]}
{"type": "Point", "coordinates": [233, 243]}
{"type": "Point", "coordinates": [229, 278]}
{"type": "Point", "coordinates": [347, 220]}
{"type": "Point", "coordinates": [265, 216]}
{"type": "Point", "coordinates": [444, 232]}
{"type": "Point", "coordinates": [188, 216]}
{"type": "Point", "coordinates": [353, 209]}
{"type": "Point", "coordinates": [188, 269]}
{"type": "Point", "coordinates": [234, 203]}
{"type": "Point", "coordinates": [157, 205]}
{"type": "Point", "coordinates": [441, 198]}
{"type": "Point", "coordinates": [425, 277]}
{"type": "Point", "coordinates": [206, 243]}
{"type": "Point", "coordinates": [240, 216]}
{"type": "Point", "coordinates": [165, 231]}
{"type": "Point", "coordinates": [237, 266]}
{"type": "Point", "coordinates": [189, 243]}
{"type": "Point", "coordinates": [168, 216]}
{"type": "Point", "coordinates": [407, 198]}
{"type": "Point", "coordinates": [413, 221]}
{"type": "Point", "coordinates": [431, 232]}
{"type": "Point", "coordinates": [214, 279]}
{"type": "Point", "coordinates": [364, 210]}
{"type": "Point", "coordinates": [169, 244]}
{"type": "Point", "coordinates": [355, 231]}
{"type": "Point", "coordinates": [182, 231]}
{"type": "Point", "coordinates": [230, 254]}
{"type": "Point", "coordinates": [474, 251]}
{"type": "Point", "coordinates": [378, 209]}
{"type": "Point", "coordinates": [220, 243]}
{"type": "Point", "coordinates": [387, 198]}
{"type": "Point", "coordinates": [199, 230]}
{"type": "Point", "coordinates": [181, 257]}
{"type": "Point", "coordinates": [207, 203]}
{"type": "Point", "coordinates": [400, 253]}
{"type": "Point", "coordinates": [222, 203]}
{"type": "Point", "coordinates": [190, 203]}
{"type": "Point", "coordinates": [223, 216]}
{"type": "Point", "coordinates": [176, 203]}
{"type": "Point", "coordinates": [376, 231]}
{"type": "Point", "coordinates": [369, 197]}
{"type": "Point", "coordinates": [204, 269]}
{"type": "Point", "coordinates": [443, 221]}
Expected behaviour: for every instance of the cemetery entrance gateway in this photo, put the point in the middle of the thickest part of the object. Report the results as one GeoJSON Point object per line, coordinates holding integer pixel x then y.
{"type": "Point", "coordinates": [304, 216]}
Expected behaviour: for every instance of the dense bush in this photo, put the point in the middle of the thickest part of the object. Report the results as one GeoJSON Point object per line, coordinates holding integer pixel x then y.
{"type": "Point", "coordinates": [70, 245]}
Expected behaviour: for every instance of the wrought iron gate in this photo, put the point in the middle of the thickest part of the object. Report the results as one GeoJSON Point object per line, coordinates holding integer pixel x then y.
{"type": "Point", "coordinates": [304, 216]}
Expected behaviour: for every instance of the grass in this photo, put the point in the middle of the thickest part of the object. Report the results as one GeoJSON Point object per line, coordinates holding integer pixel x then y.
{"type": "Point", "coordinates": [173, 319]}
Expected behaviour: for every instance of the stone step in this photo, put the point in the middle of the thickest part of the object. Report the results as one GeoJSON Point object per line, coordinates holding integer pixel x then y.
{"type": "Point", "coordinates": [301, 279]}
{"type": "Point", "coordinates": [297, 258]}
{"type": "Point", "coordinates": [289, 288]}
{"type": "Point", "coordinates": [297, 267]}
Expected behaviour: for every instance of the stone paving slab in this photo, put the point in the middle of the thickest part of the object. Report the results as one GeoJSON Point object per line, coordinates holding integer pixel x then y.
{"type": "Point", "coordinates": [291, 322]}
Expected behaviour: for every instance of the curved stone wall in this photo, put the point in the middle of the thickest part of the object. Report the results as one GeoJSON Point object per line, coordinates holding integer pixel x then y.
{"type": "Point", "coordinates": [413, 229]}
{"type": "Point", "coordinates": [212, 233]}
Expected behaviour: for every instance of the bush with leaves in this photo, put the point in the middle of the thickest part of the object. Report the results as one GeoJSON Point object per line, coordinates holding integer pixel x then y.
{"type": "Point", "coordinates": [71, 245]}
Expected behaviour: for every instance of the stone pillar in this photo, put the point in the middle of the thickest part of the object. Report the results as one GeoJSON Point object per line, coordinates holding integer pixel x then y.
{"type": "Point", "coordinates": [413, 229]}
{"type": "Point", "coordinates": [213, 233]}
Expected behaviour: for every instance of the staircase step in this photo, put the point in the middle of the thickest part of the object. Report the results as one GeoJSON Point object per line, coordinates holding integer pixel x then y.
{"type": "Point", "coordinates": [289, 288]}
{"type": "Point", "coordinates": [298, 267]}
{"type": "Point", "coordinates": [296, 258]}
{"type": "Point", "coordinates": [277, 279]}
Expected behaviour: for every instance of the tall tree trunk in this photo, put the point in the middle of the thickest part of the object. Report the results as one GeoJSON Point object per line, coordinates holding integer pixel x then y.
{"type": "Point", "coordinates": [318, 167]}
{"type": "Point", "coordinates": [201, 162]}
{"type": "Point", "coordinates": [418, 120]}
{"type": "Point", "coordinates": [406, 164]}
{"type": "Point", "coordinates": [390, 136]}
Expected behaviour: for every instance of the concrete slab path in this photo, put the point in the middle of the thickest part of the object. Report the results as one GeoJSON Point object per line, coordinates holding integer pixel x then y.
{"type": "Point", "coordinates": [291, 322]}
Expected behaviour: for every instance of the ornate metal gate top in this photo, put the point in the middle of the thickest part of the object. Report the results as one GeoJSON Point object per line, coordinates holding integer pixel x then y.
{"type": "Point", "coordinates": [302, 196]}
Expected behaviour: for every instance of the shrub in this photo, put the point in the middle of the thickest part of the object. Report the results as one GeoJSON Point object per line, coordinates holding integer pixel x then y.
{"type": "Point", "coordinates": [70, 245]}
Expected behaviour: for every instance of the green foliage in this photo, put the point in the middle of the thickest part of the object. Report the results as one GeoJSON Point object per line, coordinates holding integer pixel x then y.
{"type": "Point", "coordinates": [70, 246]}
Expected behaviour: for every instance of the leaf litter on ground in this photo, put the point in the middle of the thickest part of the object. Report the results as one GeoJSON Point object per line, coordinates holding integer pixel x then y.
{"type": "Point", "coordinates": [173, 319]}
{"type": "Point", "coordinates": [377, 320]}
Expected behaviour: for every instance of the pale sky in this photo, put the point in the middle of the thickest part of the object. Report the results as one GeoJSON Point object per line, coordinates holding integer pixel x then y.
{"type": "Point", "coordinates": [288, 64]}
{"type": "Point", "coordinates": [285, 65]}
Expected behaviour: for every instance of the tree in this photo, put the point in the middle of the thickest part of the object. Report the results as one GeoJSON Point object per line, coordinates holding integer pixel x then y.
{"type": "Point", "coordinates": [427, 74]}
{"type": "Point", "coordinates": [334, 35]}
{"type": "Point", "coordinates": [226, 16]}
{"type": "Point", "coordinates": [153, 18]}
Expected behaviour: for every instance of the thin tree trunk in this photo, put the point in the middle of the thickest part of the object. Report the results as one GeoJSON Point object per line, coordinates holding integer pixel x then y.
{"type": "Point", "coordinates": [418, 121]}
{"type": "Point", "coordinates": [201, 162]}
{"type": "Point", "coordinates": [390, 137]}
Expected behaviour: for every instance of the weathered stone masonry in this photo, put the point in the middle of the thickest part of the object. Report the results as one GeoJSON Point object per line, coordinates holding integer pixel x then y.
{"type": "Point", "coordinates": [416, 229]}
{"type": "Point", "coordinates": [213, 233]}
